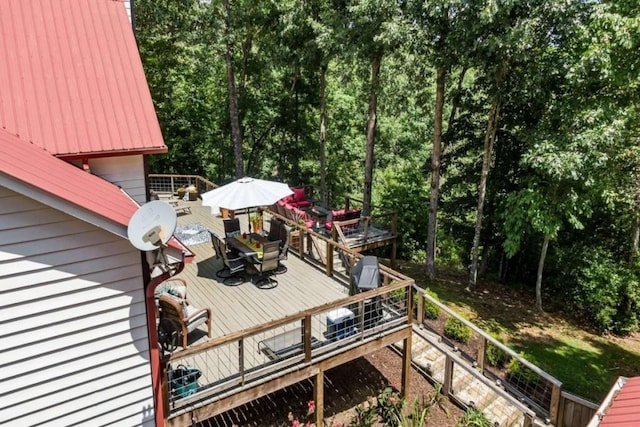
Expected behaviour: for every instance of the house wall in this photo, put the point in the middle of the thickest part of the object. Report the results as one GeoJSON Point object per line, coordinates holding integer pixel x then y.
{"type": "Point", "coordinates": [73, 338]}
{"type": "Point", "coordinates": [126, 171]}
{"type": "Point", "coordinates": [127, 5]}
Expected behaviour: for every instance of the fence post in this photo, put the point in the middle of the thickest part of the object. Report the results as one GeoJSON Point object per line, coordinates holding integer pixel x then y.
{"type": "Point", "coordinates": [173, 189]}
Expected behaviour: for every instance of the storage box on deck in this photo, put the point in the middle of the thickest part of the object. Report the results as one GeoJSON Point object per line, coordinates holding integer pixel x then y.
{"type": "Point", "coordinates": [340, 323]}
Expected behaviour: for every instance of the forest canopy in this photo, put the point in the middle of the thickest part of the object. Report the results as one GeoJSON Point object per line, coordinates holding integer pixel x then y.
{"type": "Point", "coordinates": [503, 132]}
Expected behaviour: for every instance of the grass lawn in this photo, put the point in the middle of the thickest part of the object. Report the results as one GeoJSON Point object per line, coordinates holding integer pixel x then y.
{"type": "Point", "coordinates": [587, 363]}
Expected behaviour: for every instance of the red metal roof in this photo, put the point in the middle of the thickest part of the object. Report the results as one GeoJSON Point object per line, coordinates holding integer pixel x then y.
{"type": "Point", "coordinates": [624, 410]}
{"type": "Point", "coordinates": [31, 165]}
{"type": "Point", "coordinates": [71, 79]}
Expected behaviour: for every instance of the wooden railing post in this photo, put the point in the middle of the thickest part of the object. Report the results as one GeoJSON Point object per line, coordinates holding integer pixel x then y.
{"type": "Point", "coordinates": [420, 309]}
{"type": "Point", "coordinates": [173, 188]}
{"type": "Point", "coordinates": [482, 350]}
{"type": "Point", "coordinates": [361, 317]}
{"type": "Point", "coordinates": [448, 375]}
{"type": "Point", "coordinates": [554, 406]}
{"type": "Point", "coordinates": [409, 304]}
{"type": "Point", "coordinates": [241, 358]}
{"type": "Point", "coordinates": [306, 328]}
{"type": "Point", "coordinates": [329, 266]}
{"type": "Point", "coordinates": [301, 242]}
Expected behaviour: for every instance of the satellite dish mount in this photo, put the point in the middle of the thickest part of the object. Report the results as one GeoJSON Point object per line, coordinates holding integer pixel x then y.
{"type": "Point", "coordinates": [151, 227]}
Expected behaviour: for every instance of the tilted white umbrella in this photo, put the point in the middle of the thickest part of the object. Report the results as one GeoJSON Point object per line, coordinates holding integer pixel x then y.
{"type": "Point", "coordinates": [245, 193]}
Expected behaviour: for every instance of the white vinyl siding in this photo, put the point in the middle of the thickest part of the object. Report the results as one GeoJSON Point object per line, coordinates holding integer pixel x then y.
{"type": "Point", "coordinates": [126, 171]}
{"type": "Point", "coordinates": [73, 343]}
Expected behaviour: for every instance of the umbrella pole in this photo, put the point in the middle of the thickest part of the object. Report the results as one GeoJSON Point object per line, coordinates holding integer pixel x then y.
{"type": "Point", "coordinates": [249, 221]}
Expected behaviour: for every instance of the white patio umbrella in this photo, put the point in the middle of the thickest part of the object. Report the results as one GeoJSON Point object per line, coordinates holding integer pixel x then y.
{"type": "Point", "coordinates": [245, 193]}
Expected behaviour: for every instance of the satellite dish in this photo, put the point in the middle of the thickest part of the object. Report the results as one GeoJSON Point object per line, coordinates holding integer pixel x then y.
{"type": "Point", "coordinates": [152, 225]}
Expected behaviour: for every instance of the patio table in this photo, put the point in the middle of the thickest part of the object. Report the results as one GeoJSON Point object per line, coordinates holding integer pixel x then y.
{"type": "Point", "coordinates": [248, 247]}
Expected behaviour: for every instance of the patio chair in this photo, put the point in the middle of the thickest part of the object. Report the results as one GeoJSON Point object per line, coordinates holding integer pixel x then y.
{"type": "Point", "coordinates": [231, 227]}
{"type": "Point", "coordinates": [184, 317]}
{"type": "Point", "coordinates": [267, 265]}
{"type": "Point", "coordinates": [233, 265]}
{"type": "Point", "coordinates": [274, 229]}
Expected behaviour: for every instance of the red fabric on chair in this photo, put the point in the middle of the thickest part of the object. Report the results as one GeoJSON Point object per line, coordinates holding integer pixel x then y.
{"type": "Point", "coordinates": [298, 194]}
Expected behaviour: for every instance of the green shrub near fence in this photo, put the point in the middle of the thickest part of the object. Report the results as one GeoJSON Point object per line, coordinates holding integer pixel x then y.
{"type": "Point", "coordinates": [456, 330]}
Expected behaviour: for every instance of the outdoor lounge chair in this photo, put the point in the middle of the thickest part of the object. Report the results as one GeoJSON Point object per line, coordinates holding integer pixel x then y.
{"type": "Point", "coordinates": [184, 317]}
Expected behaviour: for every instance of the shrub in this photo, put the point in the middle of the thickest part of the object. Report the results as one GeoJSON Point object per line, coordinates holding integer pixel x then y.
{"type": "Point", "coordinates": [431, 311]}
{"type": "Point", "coordinates": [495, 356]}
{"type": "Point", "coordinates": [473, 418]}
{"type": "Point", "coordinates": [520, 374]}
{"type": "Point", "coordinates": [456, 330]}
{"type": "Point", "coordinates": [390, 404]}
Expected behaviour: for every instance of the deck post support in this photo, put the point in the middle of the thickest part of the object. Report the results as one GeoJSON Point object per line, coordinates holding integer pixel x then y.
{"type": "Point", "coordinates": [406, 367]}
{"type": "Point", "coordinates": [318, 397]}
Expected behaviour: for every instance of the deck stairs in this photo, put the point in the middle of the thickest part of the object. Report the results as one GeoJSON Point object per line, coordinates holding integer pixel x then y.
{"type": "Point", "coordinates": [429, 355]}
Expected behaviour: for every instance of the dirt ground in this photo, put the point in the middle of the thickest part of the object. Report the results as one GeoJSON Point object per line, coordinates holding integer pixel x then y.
{"type": "Point", "coordinates": [346, 387]}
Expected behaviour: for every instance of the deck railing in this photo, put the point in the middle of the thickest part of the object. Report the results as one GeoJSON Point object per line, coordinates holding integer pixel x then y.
{"type": "Point", "coordinates": [380, 218]}
{"type": "Point", "coordinates": [237, 361]}
{"type": "Point", "coordinates": [506, 368]}
{"type": "Point", "coordinates": [168, 184]}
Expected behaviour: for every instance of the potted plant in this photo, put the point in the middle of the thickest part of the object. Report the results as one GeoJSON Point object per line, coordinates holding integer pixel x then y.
{"type": "Point", "coordinates": [180, 191]}
{"type": "Point", "coordinates": [256, 222]}
{"type": "Point", "coordinates": [193, 192]}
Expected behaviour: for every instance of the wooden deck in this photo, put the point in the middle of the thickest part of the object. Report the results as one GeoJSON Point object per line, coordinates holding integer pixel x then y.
{"type": "Point", "coordinates": [236, 308]}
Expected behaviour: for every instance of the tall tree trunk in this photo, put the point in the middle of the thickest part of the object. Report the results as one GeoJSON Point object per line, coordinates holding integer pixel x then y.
{"type": "Point", "coordinates": [323, 134]}
{"type": "Point", "coordinates": [236, 132]}
{"type": "Point", "coordinates": [489, 138]}
{"type": "Point", "coordinates": [635, 230]}
{"type": "Point", "coordinates": [635, 238]}
{"type": "Point", "coordinates": [371, 133]}
{"type": "Point", "coordinates": [543, 255]}
{"type": "Point", "coordinates": [435, 174]}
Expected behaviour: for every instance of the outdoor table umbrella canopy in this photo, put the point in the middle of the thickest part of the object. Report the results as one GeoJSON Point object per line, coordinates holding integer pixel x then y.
{"type": "Point", "coordinates": [245, 193]}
